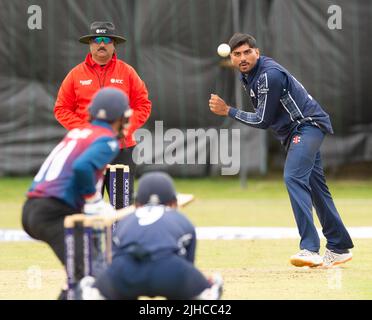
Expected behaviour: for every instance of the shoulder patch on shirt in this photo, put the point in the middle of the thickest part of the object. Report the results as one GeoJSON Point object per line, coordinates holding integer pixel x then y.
{"type": "Point", "coordinates": [262, 85]}
{"type": "Point", "coordinates": [113, 145]}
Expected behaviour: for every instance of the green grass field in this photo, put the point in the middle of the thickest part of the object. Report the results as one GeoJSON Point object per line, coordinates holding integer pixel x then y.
{"type": "Point", "coordinates": [252, 269]}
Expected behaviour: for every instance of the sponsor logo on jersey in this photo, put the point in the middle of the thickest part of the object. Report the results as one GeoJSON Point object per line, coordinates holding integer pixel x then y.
{"type": "Point", "coordinates": [119, 81]}
{"type": "Point", "coordinates": [86, 82]}
{"type": "Point", "coordinates": [296, 139]}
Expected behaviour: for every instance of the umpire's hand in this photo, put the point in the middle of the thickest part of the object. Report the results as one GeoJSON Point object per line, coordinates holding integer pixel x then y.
{"type": "Point", "coordinates": [218, 105]}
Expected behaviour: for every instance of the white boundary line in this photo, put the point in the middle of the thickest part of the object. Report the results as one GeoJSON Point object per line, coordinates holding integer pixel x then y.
{"type": "Point", "coordinates": [221, 233]}
{"type": "Point", "coordinates": [252, 233]}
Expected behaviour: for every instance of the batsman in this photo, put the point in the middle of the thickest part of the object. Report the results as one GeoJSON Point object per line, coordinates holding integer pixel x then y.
{"type": "Point", "coordinates": [282, 104]}
{"type": "Point", "coordinates": [70, 179]}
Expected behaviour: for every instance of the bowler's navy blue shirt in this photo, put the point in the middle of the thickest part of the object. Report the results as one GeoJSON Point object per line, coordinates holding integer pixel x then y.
{"type": "Point", "coordinates": [280, 101]}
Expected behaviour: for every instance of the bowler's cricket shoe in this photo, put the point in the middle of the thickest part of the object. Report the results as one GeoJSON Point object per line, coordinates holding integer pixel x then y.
{"type": "Point", "coordinates": [306, 258]}
{"type": "Point", "coordinates": [332, 258]}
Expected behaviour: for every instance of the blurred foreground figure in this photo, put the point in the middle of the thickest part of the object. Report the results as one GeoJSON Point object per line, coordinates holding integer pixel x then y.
{"type": "Point", "coordinates": [70, 179]}
{"type": "Point", "coordinates": [153, 252]}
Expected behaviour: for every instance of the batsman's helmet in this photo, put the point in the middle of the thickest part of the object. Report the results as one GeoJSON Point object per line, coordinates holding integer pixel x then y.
{"type": "Point", "coordinates": [109, 104]}
{"type": "Point", "coordinates": [156, 188]}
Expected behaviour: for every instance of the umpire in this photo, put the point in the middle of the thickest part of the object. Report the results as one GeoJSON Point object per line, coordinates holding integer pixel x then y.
{"type": "Point", "coordinates": [101, 68]}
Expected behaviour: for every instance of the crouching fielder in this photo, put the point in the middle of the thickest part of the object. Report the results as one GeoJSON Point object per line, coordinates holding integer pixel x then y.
{"type": "Point", "coordinates": [153, 251]}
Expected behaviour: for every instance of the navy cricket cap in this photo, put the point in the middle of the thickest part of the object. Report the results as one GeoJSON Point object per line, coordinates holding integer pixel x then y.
{"type": "Point", "coordinates": [109, 104]}
{"type": "Point", "coordinates": [156, 187]}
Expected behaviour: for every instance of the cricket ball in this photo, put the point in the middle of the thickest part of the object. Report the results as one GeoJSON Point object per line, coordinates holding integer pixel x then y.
{"type": "Point", "coordinates": [223, 50]}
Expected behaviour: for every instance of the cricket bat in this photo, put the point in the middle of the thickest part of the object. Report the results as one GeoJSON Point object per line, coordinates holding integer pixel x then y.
{"type": "Point", "coordinates": [183, 199]}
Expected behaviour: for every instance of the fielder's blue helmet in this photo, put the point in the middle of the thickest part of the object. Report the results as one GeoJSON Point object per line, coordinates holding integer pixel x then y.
{"type": "Point", "coordinates": [156, 188]}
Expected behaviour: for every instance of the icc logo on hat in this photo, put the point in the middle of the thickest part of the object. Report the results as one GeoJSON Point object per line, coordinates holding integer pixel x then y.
{"type": "Point", "coordinates": [106, 28]}
{"type": "Point", "coordinates": [101, 30]}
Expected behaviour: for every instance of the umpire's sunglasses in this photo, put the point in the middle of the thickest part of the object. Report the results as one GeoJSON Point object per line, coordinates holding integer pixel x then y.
{"type": "Point", "coordinates": [105, 40]}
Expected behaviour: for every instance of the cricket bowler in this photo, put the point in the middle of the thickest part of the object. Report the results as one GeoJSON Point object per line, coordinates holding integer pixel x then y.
{"type": "Point", "coordinates": [282, 104]}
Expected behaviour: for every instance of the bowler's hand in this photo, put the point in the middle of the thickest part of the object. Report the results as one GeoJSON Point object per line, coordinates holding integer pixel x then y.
{"type": "Point", "coordinates": [218, 105]}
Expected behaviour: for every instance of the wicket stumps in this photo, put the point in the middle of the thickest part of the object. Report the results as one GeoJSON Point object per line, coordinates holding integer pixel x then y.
{"type": "Point", "coordinates": [97, 247]}
{"type": "Point", "coordinates": [119, 185]}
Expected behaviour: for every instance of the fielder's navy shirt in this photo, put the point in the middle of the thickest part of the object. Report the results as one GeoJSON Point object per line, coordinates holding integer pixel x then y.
{"type": "Point", "coordinates": [156, 229]}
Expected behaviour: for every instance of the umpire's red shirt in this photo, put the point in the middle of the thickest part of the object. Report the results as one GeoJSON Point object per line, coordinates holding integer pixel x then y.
{"type": "Point", "coordinates": [83, 81]}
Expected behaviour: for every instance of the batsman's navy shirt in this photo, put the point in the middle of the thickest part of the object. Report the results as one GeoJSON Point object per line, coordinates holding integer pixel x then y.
{"type": "Point", "coordinates": [156, 229]}
{"type": "Point", "coordinates": [279, 100]}
{"type": "Point", "coordinates": [74, 169]}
